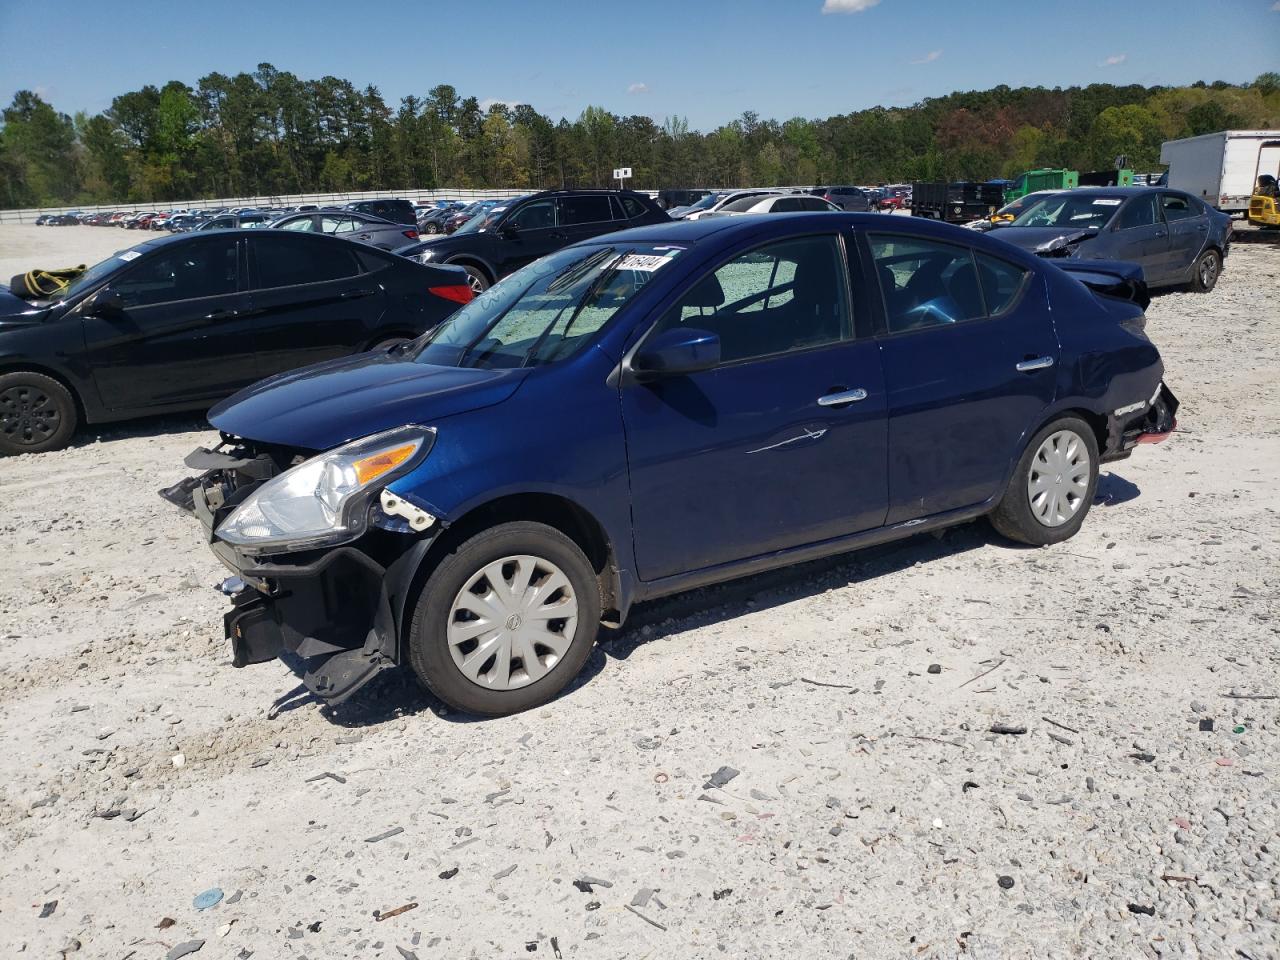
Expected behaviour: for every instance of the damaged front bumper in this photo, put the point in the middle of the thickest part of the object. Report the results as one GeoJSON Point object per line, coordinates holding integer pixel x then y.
{"type": "Point", "coordinates": [1150, 421]}
{"type": "Point", "coordinates": [333, 616]}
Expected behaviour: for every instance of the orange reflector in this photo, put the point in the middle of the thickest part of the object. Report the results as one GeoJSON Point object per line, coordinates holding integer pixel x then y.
{"type": "Point", "coordinates": [370, 468]}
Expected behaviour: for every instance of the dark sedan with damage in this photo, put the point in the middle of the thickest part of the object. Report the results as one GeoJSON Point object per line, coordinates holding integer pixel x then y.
{"type": "Point", "coordinates": [1174, 237]}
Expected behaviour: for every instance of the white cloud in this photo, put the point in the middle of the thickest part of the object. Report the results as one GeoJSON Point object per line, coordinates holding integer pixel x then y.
{"type": "Point", "coordinates": [929, 57]}
{"type": "Point", "coordinates": [638, 88]}
{"type": "Point", "coordinates": [488, 102]}
{"type": "Point", "coordinates": [847, 6]}
{"type": "Point", "coordinates": [1114, 60]}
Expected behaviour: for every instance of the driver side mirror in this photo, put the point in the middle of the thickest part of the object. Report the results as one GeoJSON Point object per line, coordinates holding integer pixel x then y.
{"type": "Point", "coordinates": [108, 304]}
{"type": "Point", "coordinates": [680, 350]}
{"type": "Point", "coordinates": [509, 230]}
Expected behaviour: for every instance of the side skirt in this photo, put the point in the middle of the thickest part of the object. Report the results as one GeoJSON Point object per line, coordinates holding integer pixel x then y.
{"type": "Point", "coordinates": [811, 551]}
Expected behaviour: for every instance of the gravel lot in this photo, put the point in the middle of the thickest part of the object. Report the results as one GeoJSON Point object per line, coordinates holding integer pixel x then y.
{"type": "Point", "coordinates": [873, 813]}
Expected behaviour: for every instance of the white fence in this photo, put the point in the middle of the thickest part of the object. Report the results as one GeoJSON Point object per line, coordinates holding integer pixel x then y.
{"type": "Point", "coordinates": [282, 200]}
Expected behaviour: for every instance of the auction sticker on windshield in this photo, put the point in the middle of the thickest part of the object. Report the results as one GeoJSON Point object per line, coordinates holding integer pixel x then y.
{"type": "Point", "coordinates": [1102, 202]}
{"type": "Point", "coordinates": [130, 255]}
{"type": "Point", "coordinates": [643, 261]}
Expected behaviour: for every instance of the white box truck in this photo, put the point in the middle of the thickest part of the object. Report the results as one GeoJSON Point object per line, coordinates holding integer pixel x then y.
{"type": "Point", "coordinates": [1222, 168]}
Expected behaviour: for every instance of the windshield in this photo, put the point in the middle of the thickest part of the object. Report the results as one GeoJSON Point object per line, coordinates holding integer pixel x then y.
{"type": "Point", "coordinates": [98, 272]}
{"type": "Point", "coordinates": [479, 215]}
{"type": "Point", "coordinates": [546, 311]}
{"type": "Point", "coordinates": [743, 203]}
{"type": "Point", "coordinates": [1069, 210]}
{"type": "Point", "coordinates": [708, 201]}
{"type": "Point", "coordinates": [488, 219]}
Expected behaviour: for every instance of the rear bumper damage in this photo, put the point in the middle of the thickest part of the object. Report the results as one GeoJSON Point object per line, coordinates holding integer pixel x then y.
{"type": "Point", "coordinates": [332, 616]}
{"type": "Point", "coordinates": [1150, 421]}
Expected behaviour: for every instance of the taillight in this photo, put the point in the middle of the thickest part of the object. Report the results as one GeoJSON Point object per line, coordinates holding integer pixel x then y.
{"type": "Point", "coordinates": [457, 292]}
{"type": "Point", "coordinates": [411, 234]}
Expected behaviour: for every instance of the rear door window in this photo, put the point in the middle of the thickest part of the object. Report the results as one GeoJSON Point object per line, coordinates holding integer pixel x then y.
{"type": "Point", "coordinates": [587, 209]}
{"type": "Point", "coordinates": [286, 262]}
{"type": "Point", "coordinates": [925, 283]}
{"type": "Point", "coordinates": [1001, 282]}
{"type": "Point", "coordinates": [1177, 207]}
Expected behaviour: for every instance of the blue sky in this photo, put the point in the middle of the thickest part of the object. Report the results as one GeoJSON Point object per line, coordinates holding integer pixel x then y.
{"type": "Point", "coordinates": [707, 60]}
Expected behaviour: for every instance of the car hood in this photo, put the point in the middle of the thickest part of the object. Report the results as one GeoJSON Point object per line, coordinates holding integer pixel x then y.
{"type": "Point", "coordinates": [1041, 239]}
{"type": "Point", "coordinates": [16, 310]}
{"type": "Point", "coordinates": [322, 406]}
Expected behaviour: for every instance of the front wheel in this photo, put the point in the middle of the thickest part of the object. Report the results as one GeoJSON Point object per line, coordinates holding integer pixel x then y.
{"type": "Point", "coordinates": [1208, 268]}
{"type": "Point", "coordinates": [505, 620]}
{"type": "Point", "coordinates": [476, 279]}
{"type": "Point", "coordinates": [37, 413]}
{"type": "Point", "coordinates": [1052, 486]}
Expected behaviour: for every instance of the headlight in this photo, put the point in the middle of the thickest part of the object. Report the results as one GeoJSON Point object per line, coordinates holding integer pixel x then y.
{"type": "Point", "coordinates": [425, 255]}
{"type": "Point", "coordinates": [325, 501]}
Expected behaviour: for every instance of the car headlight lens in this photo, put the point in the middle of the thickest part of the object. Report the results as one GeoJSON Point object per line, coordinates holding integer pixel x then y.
{"type": "Point", "coordinates": [325, 501]}
{"type": "Point", "coordinates": [424, 256]}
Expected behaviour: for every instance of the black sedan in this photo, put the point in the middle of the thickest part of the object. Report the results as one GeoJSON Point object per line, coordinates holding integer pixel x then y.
{"type": "Point", "coordinates": [180, 322]}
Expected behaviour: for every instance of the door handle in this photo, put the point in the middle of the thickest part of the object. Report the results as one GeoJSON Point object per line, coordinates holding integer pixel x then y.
{"type": "Point", "coordinates": [1034, 363]}
{"type": "Point", "coordinates": [352, 294]}
{"type": "Point", "coordinates": [842, 397]}
{"type": "Point", "coordinates": [222, 314]}
{"type": "Point", "coordinates": [1161, 233]}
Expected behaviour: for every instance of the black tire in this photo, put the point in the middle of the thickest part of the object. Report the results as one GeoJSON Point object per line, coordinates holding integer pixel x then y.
{"type": "Point", "coordinates": [431, 228]}
{"type": "Point", "coordinates": [1207, 270]}
{"type": "Point", "coordinates": [479, 282]}
{"type": "Point", "coordinates": [428, 650]}
{"type": "Point", "coordinates": [37, 414]}
{"type": "Point", "coordinates": [1014, 516]}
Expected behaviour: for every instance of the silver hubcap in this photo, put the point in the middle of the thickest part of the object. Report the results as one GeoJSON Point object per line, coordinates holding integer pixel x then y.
{"type": "Point", "coordinates": [477, 285]}
{"type": "Point", "coordinates": [512, 622]}
{"type": "Point", "coordinates": [1059, 478]}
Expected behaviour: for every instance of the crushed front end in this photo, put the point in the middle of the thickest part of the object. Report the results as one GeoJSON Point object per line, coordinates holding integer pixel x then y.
{"type": "Point", "coordinates": [330, 610]}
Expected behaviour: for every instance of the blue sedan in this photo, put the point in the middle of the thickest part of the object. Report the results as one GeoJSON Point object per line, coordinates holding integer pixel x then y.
{"type": "Point", "coordinates": [651, 411]}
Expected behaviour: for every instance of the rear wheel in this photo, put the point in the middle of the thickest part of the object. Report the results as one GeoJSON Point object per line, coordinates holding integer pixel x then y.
{"type": "Point", "coordinates": [506, 620]}
{"type": "Point", "coordinates": [1052, 486]}
{"type": "Point", "coordinates": [1208, 268]}
{"type": "Point", "coordinates": [37, 413]}
{"type": "Point", "coordinates": [431, 227]}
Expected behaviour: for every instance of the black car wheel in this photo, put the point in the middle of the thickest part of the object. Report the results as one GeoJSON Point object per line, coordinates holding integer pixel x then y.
{"type": "Point", "coordinates": [506, 620]}
{"type": "Point", "coordinates": [1053, 485]}
{"type": "Point", "coordinates": [478, 281]}
{"type": "Point", "coordinates": [37, 414]}
{"type": "Point", "coordinates": [1208, 268]}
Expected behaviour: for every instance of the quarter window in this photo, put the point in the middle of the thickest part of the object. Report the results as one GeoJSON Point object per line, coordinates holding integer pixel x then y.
{"type": "Point", "coordinates": [193, 270]}
{"type": "Point", "coordinates": [586, 209]}
{"type": "Point", "coordinates": [925, 283]}
{"type": "Point", "coordinates": [286, 263]}
{"type": "Point", "coordinates": [338, 224]}
{"type": "Point", "coordinates": [783, 297]}
{"type": "Point", "coordinates": [633, 207]}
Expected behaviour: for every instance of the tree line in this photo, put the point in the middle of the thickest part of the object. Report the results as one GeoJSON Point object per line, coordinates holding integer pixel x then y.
{"type": "Point", "coordinates": [270, 133]}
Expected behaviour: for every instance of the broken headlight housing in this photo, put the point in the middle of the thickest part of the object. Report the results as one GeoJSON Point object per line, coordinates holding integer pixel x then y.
{"type": "Point", "coordinates": [325, 501]}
